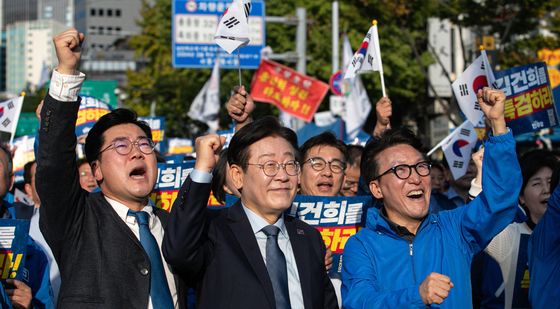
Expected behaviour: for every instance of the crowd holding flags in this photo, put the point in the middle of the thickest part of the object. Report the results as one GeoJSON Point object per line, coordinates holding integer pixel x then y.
{"type": "Point", "coordinates": [9, 115]}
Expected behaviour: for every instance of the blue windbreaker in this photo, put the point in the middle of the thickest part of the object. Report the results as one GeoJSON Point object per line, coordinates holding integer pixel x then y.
{"type": "Point", "coordinates": [544, 257]}
{"type": "Point", "coordinates": [382, 270]}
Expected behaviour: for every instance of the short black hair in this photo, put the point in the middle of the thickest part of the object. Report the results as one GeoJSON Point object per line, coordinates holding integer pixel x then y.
{"type": "Point", "coordinates": [268, 126]}
{"type": "Point", "coordinates": [369, 168]}
{"type": "Point", "coordinates": [27, 171]}
{"type": "Point", "coordinates": [324, 139]}
{"type": "Point", "coordinates": [219, 177]}
{"type": "Point", "coordinates": [95, 140]}
{"type": "Point", "coordinates": [354, 154]}
{"type": "Point", "coordinates": [4, 148]}
{"type": "Point", "coordinates": [532, 161]}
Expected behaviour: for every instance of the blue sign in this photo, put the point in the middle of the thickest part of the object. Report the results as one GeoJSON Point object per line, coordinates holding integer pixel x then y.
{"type": "Point", "coordinates": [194, 25]}
{"type": "Point", "coordinates": [529, 102]}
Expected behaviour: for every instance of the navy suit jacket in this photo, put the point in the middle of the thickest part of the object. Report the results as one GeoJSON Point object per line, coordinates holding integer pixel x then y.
{"type": "Point", "coordinates": [217, 252]}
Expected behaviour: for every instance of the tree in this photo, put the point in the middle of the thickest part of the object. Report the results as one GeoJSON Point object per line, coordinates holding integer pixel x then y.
{"type": "Point", "coordinates": [403, 40]}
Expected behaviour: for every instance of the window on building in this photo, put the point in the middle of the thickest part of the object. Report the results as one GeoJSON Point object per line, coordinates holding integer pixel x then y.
{"type": "Point", "coordinates": [100, 30]}
{"type": "Point", "coordinates": [118, 30]}
{"type": "Point", "coordinates": [118, 12]}
{"type": "Point", "coordinates": [101, 12]}
{"type": "Point", "coordinates": [109, 30]}
{"type": "Point", "coordinates": [109, 12]}
{"type": "Point", "coordinates": [92, 12]}
{"type": "Point", "coordinates": [92, 29]}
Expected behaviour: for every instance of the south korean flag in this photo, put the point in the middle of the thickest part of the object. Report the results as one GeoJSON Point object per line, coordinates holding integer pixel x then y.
{"type": "Point", "coordinates": [233, 29]}
{"type": "Point", "coordinates": [458, 147]}
{"type": "Point", "coordinates": [477, 76]}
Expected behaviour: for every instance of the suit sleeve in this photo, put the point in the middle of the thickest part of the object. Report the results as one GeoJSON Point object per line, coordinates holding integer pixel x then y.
{"type": "Point", "coordinates": [360, 288]}
{"type": "Point", "coordinates": [58, 184]}
{"type": "Point", "coordinates": [495, 207]}
{"type": "Point", "coordinates": [186, 245]}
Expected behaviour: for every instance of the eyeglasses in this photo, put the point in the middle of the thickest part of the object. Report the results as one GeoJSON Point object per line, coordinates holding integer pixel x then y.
{"type": "Point", "coordinates": [403, 171]}
{"type": "Point", "coordinates": [123, 146]}
{"type": "Point", "coordinates": [319, 164]}
{"type": "Point", "coordinates": [271, 168]}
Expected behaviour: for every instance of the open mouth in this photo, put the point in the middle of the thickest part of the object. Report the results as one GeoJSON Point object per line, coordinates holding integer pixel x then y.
{"type": "Point", "coordinates": [138, 173]}
{"type": "Point", "coordinates": [324, 186]}
{"type": "Point", "coordinates": [415, 194]}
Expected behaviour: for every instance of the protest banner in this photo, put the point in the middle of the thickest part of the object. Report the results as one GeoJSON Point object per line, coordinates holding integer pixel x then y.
{"type": "Point", "coordinates": [13, 242]}
{"type": "Point", "coordinates": [157, 124]}
{"type": "Point", "coordinates": [179, 146]}
{"type": "Point", "coordinates": [529, 102]}
{"type": "Point", "coordinates": [91, 109]}
{"type": "Point", "coordinates": [335, 217]}
{"type": "Point", "coordinates": [292, 92]}
{"type": "Point", "coordinates": [170, 178]}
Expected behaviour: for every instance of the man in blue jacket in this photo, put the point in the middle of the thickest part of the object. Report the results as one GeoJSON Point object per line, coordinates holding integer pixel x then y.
{"type": "Point", "coordinates": [407, 257]}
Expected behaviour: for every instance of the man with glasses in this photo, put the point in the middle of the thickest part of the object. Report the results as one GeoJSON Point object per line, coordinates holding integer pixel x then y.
{"type": "Point", "coordinates": [407, 257]}
{"type": "Point", "coordinates": [250, 255]}
{"type": "Point", "coordinates": [323, 165]}
{"type": "Point", "coordinates": [107, 244]}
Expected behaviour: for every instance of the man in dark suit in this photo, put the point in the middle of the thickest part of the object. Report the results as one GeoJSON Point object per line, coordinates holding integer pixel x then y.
{"type": "Point", "coordinates": [251, 255]}
{"type": "Point", "coordinates": [107, 243]}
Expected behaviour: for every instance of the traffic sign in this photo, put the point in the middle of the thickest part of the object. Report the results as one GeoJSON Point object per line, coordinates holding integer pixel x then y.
{"type": "Point", "coordinates": [194, 25]}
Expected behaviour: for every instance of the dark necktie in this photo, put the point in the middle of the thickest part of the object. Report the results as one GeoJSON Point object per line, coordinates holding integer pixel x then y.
{"type": "Point", "coordinates": [277, 269]}
{"type": "Point", "coordinates": [159, 289]}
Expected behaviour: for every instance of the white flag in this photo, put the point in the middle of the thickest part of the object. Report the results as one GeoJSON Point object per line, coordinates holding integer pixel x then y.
{"type": "Point", "coordinates": [467, 85]}
{"type": "Point", "coordinates": [9, 115]}
{"type": "Point", "coordinates": [206, 105]}
{"type": "Point", "coordinates": [21, 197]}
{"type": "Point", "coordinates": [233, 29]}
{"type": "Point", "coordinates": [367, 57]}
{"type": "Point", "coordinates": [358, 105]}
{"type": "Point", "coordinates": [458, 147]}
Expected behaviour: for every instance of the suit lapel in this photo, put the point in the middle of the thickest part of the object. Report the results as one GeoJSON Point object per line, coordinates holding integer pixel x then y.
{"type": "Point", "coordinates": [298, 239]}
{"type": "Point", "coordinates": [243, 232]}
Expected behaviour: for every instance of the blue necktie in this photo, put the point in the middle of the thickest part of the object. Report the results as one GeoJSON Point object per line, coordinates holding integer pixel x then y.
{"type": "Point", "coordinates": [159, 290]}
{"type": "Point", "coordinates": [277, 269]}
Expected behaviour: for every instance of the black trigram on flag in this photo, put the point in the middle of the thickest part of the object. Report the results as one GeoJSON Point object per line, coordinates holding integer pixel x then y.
{"type": "Point", "coordinates": [247, 9]}
{"type": "Point", "coordinates": [465, 132]}
{"type": "Point", "coordinates": [232, 22]}
{"type": "Point", "coordinates": [458, 164]}
{"type": "Point", "coordinates": [477, 106]}
{"type": "Point", "coordinates": [6, 122]}
{"type": "Point", "coordinates": [463, 89]}
{"type": "Point", "coordinates": [10, 104]}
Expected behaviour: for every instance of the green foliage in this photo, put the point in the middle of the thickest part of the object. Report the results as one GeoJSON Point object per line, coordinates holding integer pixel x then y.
{"type": "Point", "coordinates": [403, 39]}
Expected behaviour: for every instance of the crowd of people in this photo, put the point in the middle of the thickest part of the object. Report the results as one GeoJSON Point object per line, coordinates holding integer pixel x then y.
{"type": "Point", "coordinates": [489, 239]}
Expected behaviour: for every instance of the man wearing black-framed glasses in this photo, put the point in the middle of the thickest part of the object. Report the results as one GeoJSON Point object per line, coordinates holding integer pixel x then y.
{"type": "Point", "coordinates": [409, 257]}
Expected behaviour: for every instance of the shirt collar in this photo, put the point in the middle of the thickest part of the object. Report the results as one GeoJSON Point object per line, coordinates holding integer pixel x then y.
{"type": "Point", "coordinates": [257, 222]}
{"type": "Point", "coordinates": [122, 210]}
{"type": "Point", "coordinates": [400, 230]}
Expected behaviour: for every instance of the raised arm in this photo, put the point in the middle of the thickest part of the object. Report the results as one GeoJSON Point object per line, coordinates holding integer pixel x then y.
{"type": "Point", "coordinates": [496, 205]}
{"type": "Point", "coordinates": [240, 106]}
{"type": "Point", "coordinates": [57, 177]}
{"type": "Point", "coordinates": [186, 245]}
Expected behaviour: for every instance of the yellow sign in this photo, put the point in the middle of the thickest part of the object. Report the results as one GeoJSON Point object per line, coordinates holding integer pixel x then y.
{"type": "Point", "coordinates": [552, 59]}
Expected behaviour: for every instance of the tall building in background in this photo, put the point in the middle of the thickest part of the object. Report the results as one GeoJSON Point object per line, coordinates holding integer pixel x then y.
{"type": "Point", "coordinates": [18, 10]}
{"type": "Point", "coordinates": [108, 25]}
{"type": "Point", "coordinates": [59, 10]}
{"type": "Point", "coordinates": [29, 53]}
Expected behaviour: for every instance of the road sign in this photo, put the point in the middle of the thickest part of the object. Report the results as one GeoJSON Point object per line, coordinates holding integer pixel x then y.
{"type": "Point", "coordinates": [194, 24]}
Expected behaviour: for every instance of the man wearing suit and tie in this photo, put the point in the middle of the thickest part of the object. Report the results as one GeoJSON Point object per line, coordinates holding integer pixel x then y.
{"type": "Point", "coordinates": [250, 255]}
{"type": "Point", "coordinates": [107, 244]}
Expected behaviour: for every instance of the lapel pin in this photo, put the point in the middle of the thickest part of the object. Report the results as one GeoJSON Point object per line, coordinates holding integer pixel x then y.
{"type": "Point", "coordinates": [300, 232]}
